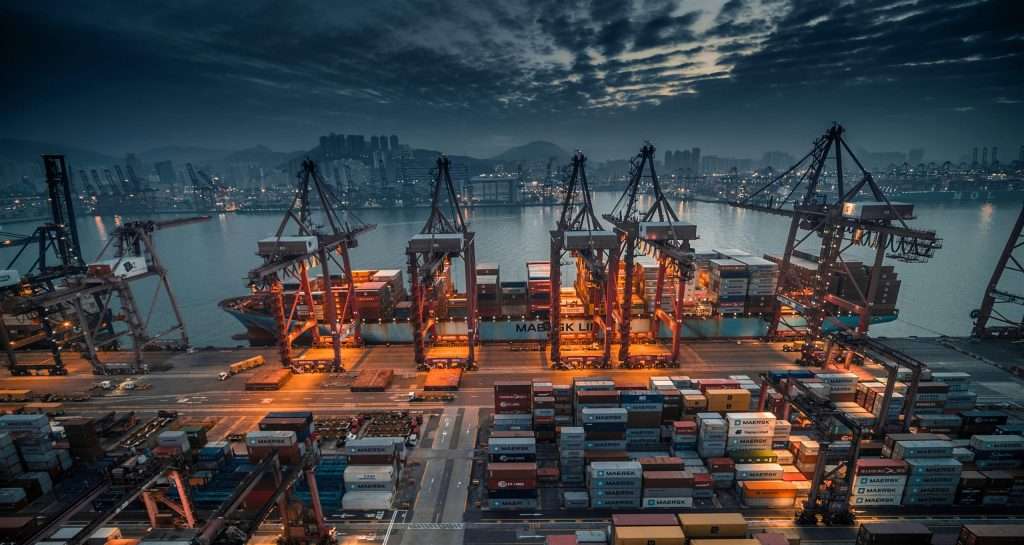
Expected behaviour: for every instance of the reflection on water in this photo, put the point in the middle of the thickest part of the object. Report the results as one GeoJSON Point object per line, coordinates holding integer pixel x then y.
{"type": "Point", "coordinates": [209, 261]}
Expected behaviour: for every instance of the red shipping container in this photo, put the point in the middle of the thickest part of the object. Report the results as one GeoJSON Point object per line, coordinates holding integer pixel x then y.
{"type": "Point", "coordinates": [512, 433]}
{"type": "Point", "coordinates": [512, 470]}
{"type": "Point", "coordinates": [721, 464]}
{"type": "Point", "coordinates": [702, 480]}
{"type": "Point", "coordinates": [644, 519]}
{"type": "Point", "coordinates": [881, 466]}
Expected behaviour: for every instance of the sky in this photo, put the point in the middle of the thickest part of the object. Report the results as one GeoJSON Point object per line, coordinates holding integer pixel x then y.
{"type": "Point", "coordinates": [736, 77]}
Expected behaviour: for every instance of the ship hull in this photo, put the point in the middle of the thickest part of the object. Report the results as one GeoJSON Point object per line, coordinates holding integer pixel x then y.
{"type": "Point", "coordinates": [262, 326]}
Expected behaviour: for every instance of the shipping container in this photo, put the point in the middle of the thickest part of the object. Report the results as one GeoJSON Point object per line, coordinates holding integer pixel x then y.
{"type": "Point", "coordinates": [647, 535]}
{"type": "Point", "coordinates": [713, 525]}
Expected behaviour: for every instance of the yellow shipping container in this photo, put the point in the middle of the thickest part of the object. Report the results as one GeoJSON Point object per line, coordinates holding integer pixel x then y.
{"type": "Point", "coordinates": [729, 399]}
{"type": "Point", "coordinates": [648, 535]}
{"type": "Point", "coordinates": [724, 542]}
{"type": "Point", "coordinates": [713, 525]}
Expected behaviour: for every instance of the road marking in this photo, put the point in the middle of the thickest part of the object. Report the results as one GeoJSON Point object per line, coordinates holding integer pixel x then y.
{"type": "Point", "coordinates": [387, 534]}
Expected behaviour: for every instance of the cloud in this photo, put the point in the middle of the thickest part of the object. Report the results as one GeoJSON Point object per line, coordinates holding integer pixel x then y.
{"type": "Point", "coordinates": [200, 65]}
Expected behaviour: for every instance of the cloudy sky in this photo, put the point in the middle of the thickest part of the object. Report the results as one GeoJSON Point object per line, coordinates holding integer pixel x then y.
{"type": "Point", "coordinates": [736, 78]}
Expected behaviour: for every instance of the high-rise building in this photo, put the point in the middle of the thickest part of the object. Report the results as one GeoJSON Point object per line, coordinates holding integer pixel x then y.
{"type": "Point", "coordinates": [695, 161]}
{"type": "Point", "coordinates": [1020, 154]}
{"type": "Point", "coordinates": [974, 156]}
{"type": "Point", "coordinates": [669, 166]}
{"type": "Point", "coordinates": [383, 142]}
{"type": "Point", "coordinates": [374, 143]}
{"type": "Point", "coordinates": [915, 156]}
{"type": "Point", "coordinates": [134, 164]}
{"type": "Point", "coordinates": [165, 171]}
{"type": "Point", "coordinates": [995, 153]}
{"type": "Point", "coordinates": [984, 155]}
{"type": "Point", "coordinates": [356, 145]}
{"type": "Point", "coordinates": [394, 142]}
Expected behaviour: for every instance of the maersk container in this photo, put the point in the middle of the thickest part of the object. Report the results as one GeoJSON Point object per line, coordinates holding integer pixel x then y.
{"type": "Point", "coordinates": [922, 449]}
{"type": "Point", "coordinates": [758, 472]}
{"type": "Point", "coordinates": [920, 466]}
{"type": "Point", "coordinates": [997, 442]}
{"type": "Point", "coordinates": [512, 445]}
{"type": "Point", "coordinates": [358, 474]}
{"type": "Point", "coordinates": [270, 439]}
{"type": "Point", "coordinates": [668, 502]}
{"type": "Point", "coordinates": [615, 503]}
{"type": "Point", "coordinates": [616, 469]}
{"type": "Point", "coordinates": [517, 504]}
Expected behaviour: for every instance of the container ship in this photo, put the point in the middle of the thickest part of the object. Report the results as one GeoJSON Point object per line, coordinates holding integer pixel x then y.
{"type": "Point", "coordinates": [730, 296]}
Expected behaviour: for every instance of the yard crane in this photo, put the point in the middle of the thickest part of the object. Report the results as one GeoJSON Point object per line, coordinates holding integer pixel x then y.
{"type": "Point", "coordinates": [1011, 260]}
{"type": "Point", "coordinates": [322, 244]}
{"type": "Point", "coordinates": [444, 236]}
{"type": "Point", "coordinates": [579, 232]}
{"type": "Point", "coordinates": [659, 231]}
{"type": "Point", "coordinates": [840, 222]}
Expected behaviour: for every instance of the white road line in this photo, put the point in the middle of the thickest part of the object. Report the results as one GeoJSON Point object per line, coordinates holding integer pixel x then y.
{"type": "Point", "coordinates": [387, 535]}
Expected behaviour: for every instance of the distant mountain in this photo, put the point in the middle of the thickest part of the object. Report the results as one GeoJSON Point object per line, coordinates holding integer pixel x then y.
{"type": "Point", "coordinates": [259, 155]}
{"type": "Point", "coordinates": [183, 154]}
{"type": "Point", "coordinates": [29, 152]}
{"type": "Point", "coordinates": [539, 150]}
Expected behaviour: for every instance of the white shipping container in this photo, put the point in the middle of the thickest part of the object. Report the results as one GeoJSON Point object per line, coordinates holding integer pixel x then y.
{"type": "Point", "coordinates": [270, 439]}
{"type": "Point", "coordinates": [759, 472]}
{"type": "Point", "coordinates": [379, 473]}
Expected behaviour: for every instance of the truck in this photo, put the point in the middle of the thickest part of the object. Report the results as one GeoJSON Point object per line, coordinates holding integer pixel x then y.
{"type": "Point", "coordinates": [423, 397]}
{"type": "Point", "coordinates": [242, 365]}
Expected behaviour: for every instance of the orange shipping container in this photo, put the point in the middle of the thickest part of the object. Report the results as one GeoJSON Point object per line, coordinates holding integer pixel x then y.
{"type": "Point", "coordinates": [768, 489]}
{"type": "Point", "coordinates": [648, 535]}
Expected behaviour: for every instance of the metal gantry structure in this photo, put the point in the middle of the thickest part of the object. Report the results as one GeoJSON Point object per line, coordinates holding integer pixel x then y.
{"type": "Point", "coordinates": [827, 216]}
{"type": "Point", "coordinates": [992, 319]}
{"type": "Point", "coordinates": [72, 304]}
{"type": "Point", "coordinates": [657, 230]}
{"type": "Point", "coordinates": [579, 233]}
{"type": "Point", "coordinates": [318, 245]}
{"type": "Point", "coordinates": [429, 255]}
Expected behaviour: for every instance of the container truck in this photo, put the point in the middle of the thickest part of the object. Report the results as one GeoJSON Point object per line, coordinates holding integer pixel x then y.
{"type": "Point", "coordinates": [243, 365]}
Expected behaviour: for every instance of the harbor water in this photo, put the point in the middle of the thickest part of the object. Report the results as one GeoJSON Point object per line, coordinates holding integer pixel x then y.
{"type": "Point", "coordinates": [208, 261]}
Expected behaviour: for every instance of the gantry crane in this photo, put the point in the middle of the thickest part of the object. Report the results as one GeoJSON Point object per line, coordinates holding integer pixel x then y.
{"type": "Point", "coordinates": [1009, 266]}
{"type": "Point", "coordinates": [203, 190]}
{"type": "Point", "coordinates": [445, 235]}
{"type": "Point", "coordinates": [658, 230]}
{"type": "Point", "coordinates": [72, 303]}
{"type": "Point", "coordinates": [840, 222]}
{"type": "Point", "coordinates": [99, 185]}
{"type": "Point", "coordinates": [86, 184]}
{"type": "Point", "coordinates": [311, 244]}
{"type": "Point", "coordinates": [580, 233]}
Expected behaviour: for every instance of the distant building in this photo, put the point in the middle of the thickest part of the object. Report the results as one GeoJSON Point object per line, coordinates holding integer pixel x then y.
{"type": "Point", "coordinates": [165, 171]}
{"type": "Point", "coordinates": [356, 145]}
{"type": "Point", "coordinates": [394, 142]}
{"type": "Point", "coordinates": [974, 156]}
{"type": "Point", "coordinates": [695, 163]}
{"type": "Point", "coordinates": [995, 153]}
{"type": "Point", "coordinates": [374, 143]}
{"type": "Point", "coordinates": [915, 156]}
{"type": "Point", "coordinates": [984, 156]}
{"type": "Point", "coordinates": [778, 160]}
{"type": "Point", "coordinates": [492, 189]}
